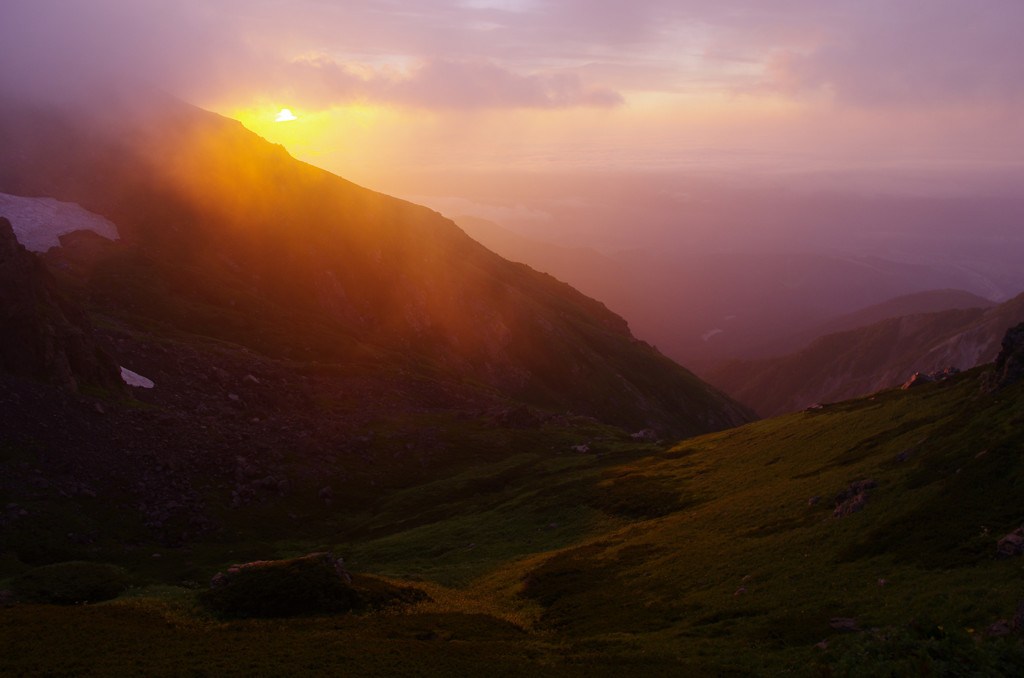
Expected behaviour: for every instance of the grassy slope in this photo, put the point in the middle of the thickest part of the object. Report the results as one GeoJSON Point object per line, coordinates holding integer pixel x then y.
{"type": "Point", "coordinates": [633, 559]}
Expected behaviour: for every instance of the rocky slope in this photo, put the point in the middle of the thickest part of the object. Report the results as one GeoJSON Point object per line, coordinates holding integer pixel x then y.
{"type": "Point", "coordinates": [225, 235]}
{"type": "Point", "coordinates": [860, 361]}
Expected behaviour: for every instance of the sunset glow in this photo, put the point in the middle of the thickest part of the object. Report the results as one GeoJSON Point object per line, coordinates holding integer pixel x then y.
{"type": "Point", "coordinates": [621, 337]}
{"type": "Point", "coordinates": [392, 93]}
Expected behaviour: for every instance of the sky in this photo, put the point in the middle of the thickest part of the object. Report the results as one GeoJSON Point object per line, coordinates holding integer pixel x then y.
{"type": "Point", "coordinates": [400, 95]}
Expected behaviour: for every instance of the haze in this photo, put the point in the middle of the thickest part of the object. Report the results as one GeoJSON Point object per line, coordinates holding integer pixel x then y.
{"type": "Point", "coordinates": [676, 129]}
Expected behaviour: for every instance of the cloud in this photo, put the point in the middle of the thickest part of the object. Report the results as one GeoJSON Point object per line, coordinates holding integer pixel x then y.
{"type": "Point", "coordinates": [440, 84]}
{"type": "Point", "coordinates": [203, 50]}
{"type": "Point", "coordinates": [515, 54]}
{"type": "Point", "coordinates": [923, 53]}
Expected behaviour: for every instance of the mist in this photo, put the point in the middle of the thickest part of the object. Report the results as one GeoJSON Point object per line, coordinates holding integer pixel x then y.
{"type": "Point", "coordinates": [655, 137]}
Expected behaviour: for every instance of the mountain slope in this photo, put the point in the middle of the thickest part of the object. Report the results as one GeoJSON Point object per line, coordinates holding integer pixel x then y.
{"type": "Point", "coordinates": [930, 301]}
{"type": "Point", "coordinates": [859, 539]}
{"type": "Point", "coordinates": [225, 235]}
{"type": "Point", "coordinates": [867, 359]}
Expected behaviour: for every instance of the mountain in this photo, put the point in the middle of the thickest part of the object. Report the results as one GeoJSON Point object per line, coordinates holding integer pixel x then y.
{"type": "Point", "coordinates": [705, 308]}
{"type": "Point", "coordinates": [877, 356]}
{"type": "Point", "coordinates": [225, 235]}
{"type": "Point", "coordinates": [599, 274]}
{"type": "Point", "coordinates": [929, 301]}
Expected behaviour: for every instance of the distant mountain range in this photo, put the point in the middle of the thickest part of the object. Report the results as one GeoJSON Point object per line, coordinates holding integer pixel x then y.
{"type": "Point", "coordinates": [876, 356]}
{"type": "Point", "coordinates": [704, 308]}
{"type": "Point", "coordinates": [225, 235]}
{"type": "Point", "coordinates": [930, 301]}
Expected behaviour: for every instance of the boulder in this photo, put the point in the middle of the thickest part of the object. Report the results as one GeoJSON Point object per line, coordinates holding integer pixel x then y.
{"type": "Point", "coordinates": [941, 375]}
{"type": "Point", "coordinates": [1011, 545]}
{"type": "Point", "coordinates": [851, 500]}
{"type": "Point", "coordinates": [646, 434]}
{"type": "Point", "coordinates": [314, 584]}
{"type": "Point", "coordinates": [916, 380]}
{"type": "Point", "coordinates": [850, 506]}
{"type": "Point", "coordinates": [999, 628]}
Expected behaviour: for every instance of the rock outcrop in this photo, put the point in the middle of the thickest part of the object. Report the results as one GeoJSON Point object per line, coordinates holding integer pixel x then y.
{"type": "Point", "coordinates": [1011, 545]}
{"type": "Point", "coordinates": [919, 378]}
{"type": "Point", "coordinates": [851, 500]}
{"type": "Point", "coordinates": [1010, 361]}
{"type": "Point", "coordinates": [43, 336]}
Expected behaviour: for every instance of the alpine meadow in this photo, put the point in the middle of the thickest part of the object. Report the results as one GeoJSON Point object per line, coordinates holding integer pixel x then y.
{"type": "Point", "coordinates": [511, 338]}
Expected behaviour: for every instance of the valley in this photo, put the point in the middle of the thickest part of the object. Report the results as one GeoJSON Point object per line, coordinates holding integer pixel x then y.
{"type": "Point", "coordinates": [516, 482]}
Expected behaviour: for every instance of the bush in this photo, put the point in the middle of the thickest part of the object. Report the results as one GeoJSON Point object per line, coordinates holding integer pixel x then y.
{"type": "Point", "coordinates": [300, 586]}
{"type": "Point", "coordinates": [70, 583]}
{"type": "Point", "coordinates": [281, 588]}
{"type": "Point", "coordinates": [636, 496]}
{"type": "Point", "coordinates": [926, 651]}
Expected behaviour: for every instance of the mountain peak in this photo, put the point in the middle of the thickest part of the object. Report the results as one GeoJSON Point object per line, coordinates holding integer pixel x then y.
{"type": "Point", "coordinates": [226, 235]}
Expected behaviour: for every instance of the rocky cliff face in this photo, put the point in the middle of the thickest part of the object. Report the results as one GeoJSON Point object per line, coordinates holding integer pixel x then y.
{"type": "Point", "coordinates": [43, 336]}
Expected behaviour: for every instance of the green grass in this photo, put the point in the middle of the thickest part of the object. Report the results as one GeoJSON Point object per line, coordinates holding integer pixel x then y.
{"type": "Point", "coordinates": [706, 558]}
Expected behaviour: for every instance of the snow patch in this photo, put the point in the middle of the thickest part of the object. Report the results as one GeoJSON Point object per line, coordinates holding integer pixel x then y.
{"type": "Point", "coordinates": [133, 379]}
{"type": "Point", "coordinates": [39, 222]}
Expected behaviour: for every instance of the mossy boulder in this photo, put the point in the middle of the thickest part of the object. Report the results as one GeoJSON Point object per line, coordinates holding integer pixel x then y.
{"type": "Point", "coordinates": [71, 583]}
{"type": "Point", "coordinates": [310, 585]}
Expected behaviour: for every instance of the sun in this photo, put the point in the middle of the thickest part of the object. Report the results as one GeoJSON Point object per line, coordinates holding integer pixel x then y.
{"type": "Point", "coordinates": [285, 115]}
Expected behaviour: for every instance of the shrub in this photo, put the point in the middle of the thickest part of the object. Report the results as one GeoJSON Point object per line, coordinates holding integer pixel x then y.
{"type": "Point", "coordinates": [72, 582]}
{"type": "Point", "coordinates": [637, 496]}
{"type": "Point", "coordinates": [300, 586]}
{"type": "Point", "coordinates": [281, 588]}
{"type": "Point", "coordinates": [926, 651]}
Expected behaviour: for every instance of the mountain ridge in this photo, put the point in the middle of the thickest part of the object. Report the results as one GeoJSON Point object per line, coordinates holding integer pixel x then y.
{"type": "Point", "coordinates": [224, 234]}
{"type": "Point", "coordinates": [928, 301]}
{"type": "Point", "coordinates": [859, 361]}
{"type": "Point", "coordinates": [705, 308]}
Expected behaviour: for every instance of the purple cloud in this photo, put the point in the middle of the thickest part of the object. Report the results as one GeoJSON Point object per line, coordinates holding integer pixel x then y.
{"type": "Point", "coordinates": [478, 54]}
{"type": "Point", "coordinates": [442, 84]}
{"type": "Point", "coordinates": [914, 52]}
{"type": "Point", "coordinates": [203, 50]}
